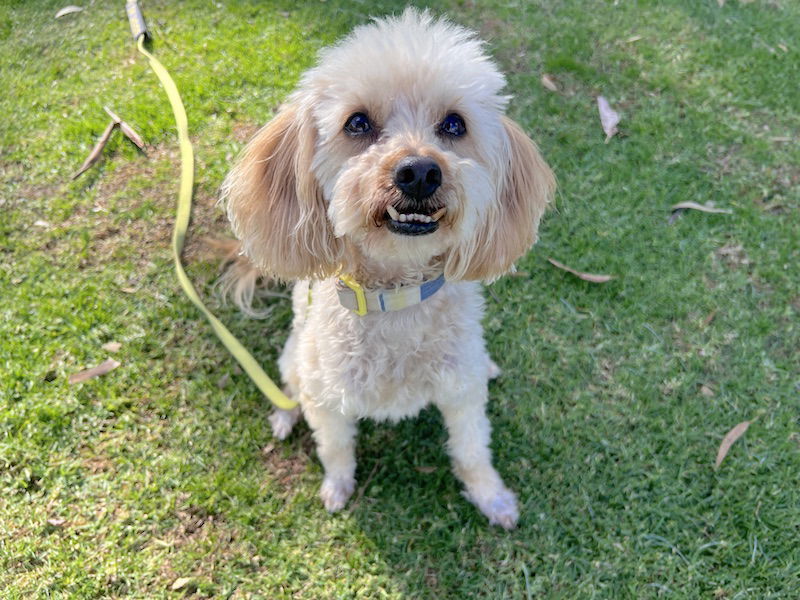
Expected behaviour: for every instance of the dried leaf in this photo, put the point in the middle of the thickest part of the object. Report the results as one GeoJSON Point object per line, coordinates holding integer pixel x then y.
{"type": "Point", "coordinates": [706, 391]}
{"type": "Point", "coordinates": [132, 135]}
{"type": "Point", "coordinates": [41, 223]}
{"type": "Point", "coordinates": [707, 321]}
{"type": "Point", "coordinates": [700, 207]}
{"type": "Point", "coordinates": [633, 38]}
{"type": "Point", "coordinates": [426, 470]}
{"type": "Point", "coordinates": [181, 583]}
{"type": "Point", "coordinates": [609, 118]}
{"type": "Point", "coordinates": [95, 153]}
{"type": "Point", "coordinates": [126, 129]}
{"type": "Point", "coordinates": [68, 10]}
{"type": "Point", "coordinates": [549, 83]}
{"type": "Point", "coordinates": [728, 441]}
{"type": "Point", "coordinates": [112, 114]}
{"type": "Point", "coordinates": [111, 346]}
{"type": "Point", "coordinates": [56, 522]}
{"type": "Point", "coordinates": [720, 3]}
{"type": "Point", "coordinates": [101, 369]}
{"type": "Point", "coordinates": [585, 276]}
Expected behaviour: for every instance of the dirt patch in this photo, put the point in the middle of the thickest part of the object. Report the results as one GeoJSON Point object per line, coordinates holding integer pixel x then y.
{"type": "Point", "coordinates": [244, 132]}
{"type": "Point", "coordinates": [284, 469]}
{"type": "Point", "coordinates": [153, 184]}
{"type": "Point", "coordinates": [732, 256]}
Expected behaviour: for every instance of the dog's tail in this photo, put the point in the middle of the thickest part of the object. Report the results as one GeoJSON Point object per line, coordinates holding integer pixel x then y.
{"type": "Point", "coordinates": [241, 281]}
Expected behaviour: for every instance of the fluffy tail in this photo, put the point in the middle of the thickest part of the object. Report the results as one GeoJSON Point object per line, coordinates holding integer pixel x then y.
{"type": "Point", "coordinates": [241, 281]}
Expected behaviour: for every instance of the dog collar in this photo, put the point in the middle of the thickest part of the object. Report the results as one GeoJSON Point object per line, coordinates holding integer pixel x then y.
{"type": "Point", "coordinates": [361, 301]}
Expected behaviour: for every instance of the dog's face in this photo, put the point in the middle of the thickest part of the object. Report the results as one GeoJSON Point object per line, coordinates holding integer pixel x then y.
{"type": "Point", "coordinates": [393, 151]}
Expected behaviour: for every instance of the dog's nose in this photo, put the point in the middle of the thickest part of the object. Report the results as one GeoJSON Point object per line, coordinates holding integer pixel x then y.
{"type": "Point", "coordinates": [418, 176]}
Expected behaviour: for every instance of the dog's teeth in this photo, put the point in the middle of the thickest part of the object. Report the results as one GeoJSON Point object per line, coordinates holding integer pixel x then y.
{"type": "Point", "coordinates": [438, 214]}
{"type": "Point", "coordinates": [393, 212]}
{"type": "Point", "coordinates": [402, 218]}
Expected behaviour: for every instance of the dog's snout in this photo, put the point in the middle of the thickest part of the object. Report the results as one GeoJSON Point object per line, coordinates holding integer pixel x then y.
{"type": "Point", "coordinates": [418, 176]}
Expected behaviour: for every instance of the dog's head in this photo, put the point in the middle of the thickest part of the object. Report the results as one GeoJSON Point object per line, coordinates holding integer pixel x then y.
{"type": "Point", "coordinates": [395, 151]}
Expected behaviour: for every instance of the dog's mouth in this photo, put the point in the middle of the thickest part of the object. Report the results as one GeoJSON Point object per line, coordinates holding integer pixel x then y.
{"type": "Point", "coordinates": [409, 223]}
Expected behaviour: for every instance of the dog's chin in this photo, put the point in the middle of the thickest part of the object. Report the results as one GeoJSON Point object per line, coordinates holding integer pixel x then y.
{"type": "Point", "coordinates": [411, 228]}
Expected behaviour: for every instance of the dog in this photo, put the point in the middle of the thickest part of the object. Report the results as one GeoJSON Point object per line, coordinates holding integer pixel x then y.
{"type": "Point", "coordinates": [387, 187]}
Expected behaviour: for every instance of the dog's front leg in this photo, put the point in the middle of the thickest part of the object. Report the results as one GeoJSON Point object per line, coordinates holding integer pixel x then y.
{"type": "Point", "coordinates": [468, 446]}
{"type": "Point", "coordinates": [335, 436]}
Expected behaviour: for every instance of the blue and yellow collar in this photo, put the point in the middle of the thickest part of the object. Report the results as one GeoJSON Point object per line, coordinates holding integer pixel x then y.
{"type": "Point", "coordinates": [361, 301]}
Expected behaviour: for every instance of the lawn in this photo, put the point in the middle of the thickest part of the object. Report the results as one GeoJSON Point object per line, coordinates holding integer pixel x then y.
{"type": "Point", "coordinates": [615, 397]}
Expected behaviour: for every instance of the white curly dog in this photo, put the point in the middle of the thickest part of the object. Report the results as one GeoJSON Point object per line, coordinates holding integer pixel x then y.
{"type": "Point", "coordinates": [387, 187]}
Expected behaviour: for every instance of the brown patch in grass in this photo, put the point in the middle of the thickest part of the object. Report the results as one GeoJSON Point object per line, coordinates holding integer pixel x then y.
{"type": "Point", "coordinates": [285, 469]}
{"type": "Point", "coordinates": [732, 255]}
{"type": "Point", "coordinates": [128, 189]}
{"type": "Point", "coordinates": [244, 132]}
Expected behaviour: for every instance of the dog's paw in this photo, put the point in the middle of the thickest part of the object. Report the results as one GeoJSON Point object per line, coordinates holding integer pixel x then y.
{"type": "Point", "coordinates": [494, 370]}
{"type": "Point", "coordinates": [336, 492]}
{"type": "Point", "coordinates": [501, 508]}
{"type": "Point", "coordinates": [283, 421]}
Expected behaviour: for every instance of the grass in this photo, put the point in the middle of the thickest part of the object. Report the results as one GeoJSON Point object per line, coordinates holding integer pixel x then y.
{"type": "Point", "coordinates": [614, 397]}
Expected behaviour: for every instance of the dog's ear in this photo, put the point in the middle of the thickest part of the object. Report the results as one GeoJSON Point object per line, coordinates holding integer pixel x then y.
{"type": "Point", "coordinates": [275, 203]}
{"type": "Point", "coordinates": [509, 227]}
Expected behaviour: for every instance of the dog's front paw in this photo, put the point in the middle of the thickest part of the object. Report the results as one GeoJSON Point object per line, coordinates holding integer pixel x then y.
{"type": "Point", "coordinates": [500, 508]}
{"type": "Point", "coordinates": [283, 421]}
{"type": "Point", "coordinates": [336, 492]}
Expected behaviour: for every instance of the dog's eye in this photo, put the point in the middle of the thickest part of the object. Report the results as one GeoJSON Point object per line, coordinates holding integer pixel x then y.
{"type": "Point", "coordinates": [453, 125]}
{"type": "Point", "coordinates": [357, 124]}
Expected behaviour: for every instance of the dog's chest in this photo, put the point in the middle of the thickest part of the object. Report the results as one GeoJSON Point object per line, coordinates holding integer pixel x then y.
{"type": "Point", "coordinates": [390, 365]}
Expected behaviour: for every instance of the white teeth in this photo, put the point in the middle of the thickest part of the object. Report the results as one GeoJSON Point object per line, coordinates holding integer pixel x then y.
{"type": "Point", "coordinates": [438, 214]}
{"type": "Point", "coordinates": [413, 217]}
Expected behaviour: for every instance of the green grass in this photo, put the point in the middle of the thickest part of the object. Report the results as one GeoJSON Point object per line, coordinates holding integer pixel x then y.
{"type": "Point", "coordinates": [614, 397]}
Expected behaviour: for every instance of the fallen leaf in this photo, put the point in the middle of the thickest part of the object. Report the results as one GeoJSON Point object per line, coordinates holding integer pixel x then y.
{"type": "Point", "coordinates": [709, 318]}
{"type": "Point", "coordinates": [633, 38]}
{"type": "Point", "coordinates": [548, 82]}
{"type": "Point", "coordinates": [128, 290]}
{"type": "Point", "coordinates": [706, 391]}
{"type": "Point", "coordinates": [56, 522]}
{"type": "Point", "coordinates": [95, 153]}
{"type": "Point", "coordinates": [41, 223]}
{"type": "Point", "coordinates": [783, 47]}
{"type": "Point", "coordinates": [585, 276]}
{"type": "Point", "coordinates": [101, 369]}
{"type": "Point", "coordinates": [180, 583]}
{"type": "Point", "coordinates": [111, 346]}
{"type": "Point", "coordinates": [68, 10]}
{"type": "Point", "coordinates": [267, 450]}
{"type": "Point", "coordinates": [426, 470]}
{"type": "Point", "coordinates": [701, 207]}
{"type": "Point", "coordinates": [126, 129]}
{"type": "Point", "coordinates": [728, 441]}
{"type": "Point", "coordinates": [609, 118]}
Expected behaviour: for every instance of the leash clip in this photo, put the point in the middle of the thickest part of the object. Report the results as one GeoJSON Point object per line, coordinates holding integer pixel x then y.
{"type": "Point", "coordinates": [361, 298]}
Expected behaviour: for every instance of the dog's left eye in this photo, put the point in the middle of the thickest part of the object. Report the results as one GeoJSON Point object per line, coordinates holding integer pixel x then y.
{"type": "Point", "coordinates": [453, 125]}
{"type": "Point", "coordinates": [357, 124]}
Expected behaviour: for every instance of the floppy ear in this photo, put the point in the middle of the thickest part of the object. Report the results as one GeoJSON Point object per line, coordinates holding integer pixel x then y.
{"type": "Point", "coordinates": [510, 225]}
{"type": "Point", "coordinates": [275, 204]}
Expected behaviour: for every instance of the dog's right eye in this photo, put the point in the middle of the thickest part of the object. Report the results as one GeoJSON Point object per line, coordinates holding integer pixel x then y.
{"type": "Point", "coordinates": [357, 124]}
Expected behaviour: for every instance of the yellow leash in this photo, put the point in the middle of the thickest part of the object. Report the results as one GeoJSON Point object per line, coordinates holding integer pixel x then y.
{"type": "Point", "coordinates": [240, 353]}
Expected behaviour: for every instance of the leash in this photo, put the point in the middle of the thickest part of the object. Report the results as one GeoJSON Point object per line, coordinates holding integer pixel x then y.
{"type": "Point", "coordinates": [184, 211]}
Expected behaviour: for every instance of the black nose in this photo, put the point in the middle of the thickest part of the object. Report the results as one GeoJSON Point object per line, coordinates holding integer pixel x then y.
{"type": "Point", "coordinates": [418, 176]}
